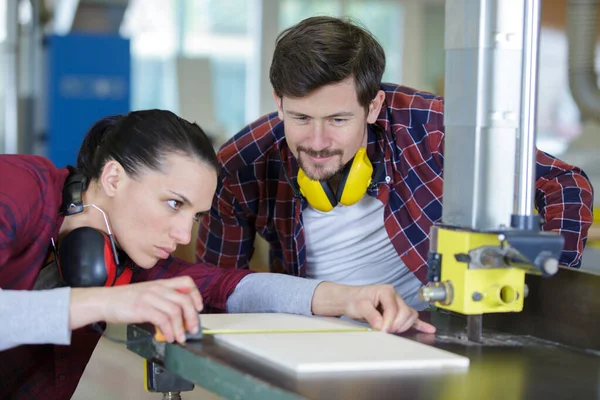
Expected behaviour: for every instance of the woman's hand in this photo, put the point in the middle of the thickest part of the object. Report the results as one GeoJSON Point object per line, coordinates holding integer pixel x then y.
{"type": "Point", "coordinates": [380, 305]}
{"type": "Point", "coordinates": [165, 303]}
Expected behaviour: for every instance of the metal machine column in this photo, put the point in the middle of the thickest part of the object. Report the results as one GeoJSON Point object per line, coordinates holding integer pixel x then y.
{"type": "Point", "coordinates": [10, 77]}
{"type": "Point", "coordinates": [484, 51]}
{"type": "Point", "coordinates": [489, 236]}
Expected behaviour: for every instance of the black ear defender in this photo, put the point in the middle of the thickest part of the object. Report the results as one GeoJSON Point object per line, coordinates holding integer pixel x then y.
{"type": "Point", "coordinates": [88, 257]}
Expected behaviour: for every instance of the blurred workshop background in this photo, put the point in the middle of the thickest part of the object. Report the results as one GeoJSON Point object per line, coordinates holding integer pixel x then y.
{"type": "Point", "coordinates": [67, 63]}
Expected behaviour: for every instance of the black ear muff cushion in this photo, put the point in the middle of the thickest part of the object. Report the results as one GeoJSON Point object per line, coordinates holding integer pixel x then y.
{"type": "Point", "coordinates": [85, 258]}
{"type": "Point", "coordinates": [329, 193]}
{"type": "Point", "coordinates": [343, 179]}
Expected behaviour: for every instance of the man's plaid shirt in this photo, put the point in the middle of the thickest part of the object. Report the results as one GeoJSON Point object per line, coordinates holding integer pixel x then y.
{"type": "Point", "coordinates": [253, 195]}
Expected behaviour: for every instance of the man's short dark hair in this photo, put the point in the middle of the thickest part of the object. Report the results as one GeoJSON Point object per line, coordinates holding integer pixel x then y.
{"type": "Point", "coordinates": [323, 50]}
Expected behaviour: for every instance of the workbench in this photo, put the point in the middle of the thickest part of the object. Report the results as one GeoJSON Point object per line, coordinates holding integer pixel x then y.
{"type": "Point", "coordinates": [561, 361]}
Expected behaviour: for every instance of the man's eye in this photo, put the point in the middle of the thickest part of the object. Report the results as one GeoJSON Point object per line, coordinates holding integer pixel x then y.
{"type": "Point", "coordinates": [175, 204]}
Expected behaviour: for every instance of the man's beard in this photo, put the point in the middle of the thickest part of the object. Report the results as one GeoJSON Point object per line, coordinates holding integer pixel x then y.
{"type": "Point", "coordinates": [318, 172]}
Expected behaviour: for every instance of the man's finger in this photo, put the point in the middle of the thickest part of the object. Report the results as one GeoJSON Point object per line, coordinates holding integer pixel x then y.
{"type": "Point", "coordinates": [423, 326]}
{"type": "Point", "coordinates": [368, 311]}
{"type": "Point", "coordinates": [389, 304]}
{"type": "Point", "coordinates": [406, 319]}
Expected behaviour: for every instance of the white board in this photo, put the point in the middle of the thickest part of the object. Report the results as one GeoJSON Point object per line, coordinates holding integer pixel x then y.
{"type": "Point", "coordinates": [319, 352]}
{"type": "Point", "coordinates": [269, 322]}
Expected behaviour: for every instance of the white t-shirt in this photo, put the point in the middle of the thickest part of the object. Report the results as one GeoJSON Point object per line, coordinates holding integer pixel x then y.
{"type": "Point", "coordinates": [350, 245]}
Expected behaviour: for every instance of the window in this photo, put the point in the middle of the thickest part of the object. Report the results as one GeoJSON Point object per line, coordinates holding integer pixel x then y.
{"type": "Point", "coordinates": [382, 18]}
{"type": "Point", "coordinates": [218, 32]}
{"type": "Point", "coordinates": [294, 11]}
{"type": "Point", "coordinates": [151, 27]}
{"type": "Point", "coordinates": [169, 36]}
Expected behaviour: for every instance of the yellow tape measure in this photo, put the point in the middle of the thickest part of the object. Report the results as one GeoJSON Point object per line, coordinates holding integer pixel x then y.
{"type": "Point", "coordinates": [239, 331]}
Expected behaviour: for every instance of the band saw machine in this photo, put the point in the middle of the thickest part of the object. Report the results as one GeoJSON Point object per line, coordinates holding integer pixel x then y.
{"type": "Point", "coordinates": [490, 236]}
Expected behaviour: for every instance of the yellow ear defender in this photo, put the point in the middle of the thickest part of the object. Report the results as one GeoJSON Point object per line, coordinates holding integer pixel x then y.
{"type": "Point", "coordinates": [355, 180]}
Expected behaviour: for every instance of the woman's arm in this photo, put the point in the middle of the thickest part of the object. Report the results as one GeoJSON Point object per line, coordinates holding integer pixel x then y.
{"type": "Point", "coordinates": [34, 317]}
{"type": "Point", "coordinates": [49, 316]}
{"type": "Point", "coordinates": [170, 304]}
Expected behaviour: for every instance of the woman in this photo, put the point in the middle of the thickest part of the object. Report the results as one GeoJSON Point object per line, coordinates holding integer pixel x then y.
{"type": "Point", "coordinates": [145, 178]}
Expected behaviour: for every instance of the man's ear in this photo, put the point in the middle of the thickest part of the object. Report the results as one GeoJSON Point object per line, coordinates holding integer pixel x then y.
{"type": "Point", "coordinates": [279, 104]}
{"type": "Point", "coordinates": [111, 177]}
{"type": "Point", "coordinates": [375, 107]}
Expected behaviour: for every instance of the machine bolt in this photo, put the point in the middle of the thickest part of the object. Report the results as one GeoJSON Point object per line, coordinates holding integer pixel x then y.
{"type": "Point", "coordinates": [477, 296]}
{"type": "Point", "coordinates": [172, 396]}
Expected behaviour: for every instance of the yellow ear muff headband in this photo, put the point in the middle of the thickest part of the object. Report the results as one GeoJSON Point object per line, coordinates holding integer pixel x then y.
{"type": "Point", "coordinates": [355, 180]}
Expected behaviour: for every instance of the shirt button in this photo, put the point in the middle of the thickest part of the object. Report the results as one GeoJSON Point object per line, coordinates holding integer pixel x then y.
{"type": "Point", "coordinates": [62, 377]}
{"type": "Point", "coordinates": [388, 179]}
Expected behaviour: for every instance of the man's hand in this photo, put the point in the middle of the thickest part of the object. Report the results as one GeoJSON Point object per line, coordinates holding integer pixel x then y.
{"type": "Point", "coordinates": [380, 305]}
{"type": "Point", "coordinates": [166, 303]}
{"type": "Point", "coordinates": [383, 308]}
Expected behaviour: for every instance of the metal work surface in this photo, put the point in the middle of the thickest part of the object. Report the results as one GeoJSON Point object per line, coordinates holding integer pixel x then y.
{"type": "Point", "coordinates": [502, 366]}
{"type": "Point", "coordinates": [564, 308]}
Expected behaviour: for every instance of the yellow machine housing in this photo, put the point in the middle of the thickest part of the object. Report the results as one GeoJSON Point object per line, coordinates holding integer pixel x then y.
{"type": "Point", "coordinates": [472, 290]}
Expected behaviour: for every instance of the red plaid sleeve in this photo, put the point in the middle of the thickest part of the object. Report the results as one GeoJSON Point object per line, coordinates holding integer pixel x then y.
{"type": "Point", "coordinates": [564, 198]}
{"type": "Point", "coordinates": [215, 284]}
{"type": "Point", "coordinates": [225, 238]}
{"type": "Point", "coordinates": [226, 234]}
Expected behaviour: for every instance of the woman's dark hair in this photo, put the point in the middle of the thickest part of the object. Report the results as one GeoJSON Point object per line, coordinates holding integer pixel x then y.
{"type": "Point", "coordinates": [322, 50]}
{"type": "Point", "coordinates": [141, 139]}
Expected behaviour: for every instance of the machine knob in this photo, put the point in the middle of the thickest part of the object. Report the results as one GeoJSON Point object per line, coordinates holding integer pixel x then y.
{"type": "Point", "coordinates": [548, 265]}
{"type": "Point", "coordinates": [551, 266]}
{"type": "Point", "coordinates": [432, 293]}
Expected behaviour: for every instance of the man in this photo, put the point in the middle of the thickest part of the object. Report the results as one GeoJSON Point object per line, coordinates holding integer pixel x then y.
{"type": "Point", "coordinates": [282, 175]}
